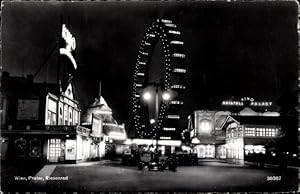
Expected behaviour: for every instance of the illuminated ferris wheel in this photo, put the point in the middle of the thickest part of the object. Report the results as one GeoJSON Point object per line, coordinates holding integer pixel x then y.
{"type": "Point", "coordinates": [167, 125]}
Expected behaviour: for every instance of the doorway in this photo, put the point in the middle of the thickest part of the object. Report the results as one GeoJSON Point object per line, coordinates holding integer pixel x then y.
{"type": "Point", "coordinates": [54, 150]}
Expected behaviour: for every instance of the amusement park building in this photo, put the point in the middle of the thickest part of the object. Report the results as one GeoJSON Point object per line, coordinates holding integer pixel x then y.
{"type": "Point", "coordinates": [234, 137]}
{"type": "Point", "coordinates": [40, 121]}
{"type": "Point", "coordinates": [99, 115]}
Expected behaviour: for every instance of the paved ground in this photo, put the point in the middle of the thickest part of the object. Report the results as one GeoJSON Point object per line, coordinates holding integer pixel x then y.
{"type": "Point", "coordinates": [207, 176]}
{"type": "Point", "coordinates": [10, 169]}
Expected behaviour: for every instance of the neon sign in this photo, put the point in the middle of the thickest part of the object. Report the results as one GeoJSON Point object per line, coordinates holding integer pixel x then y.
{"type": "Point", "coordinates": [70, 44]}
{"type": "Point", "coordinates": [68, 37]}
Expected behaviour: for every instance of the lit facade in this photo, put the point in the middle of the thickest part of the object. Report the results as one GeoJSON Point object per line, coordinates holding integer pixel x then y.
{"type": "Point", "coordinates": [113, 135]}
{"type": "Point", "coordinates": [205, 127]}
{"type": "Point", "coordinates": [42, 122]}
{"type": "Point", "coordinates": [234, 137]}
{"type": "Point", "coordinates": [250, 136]}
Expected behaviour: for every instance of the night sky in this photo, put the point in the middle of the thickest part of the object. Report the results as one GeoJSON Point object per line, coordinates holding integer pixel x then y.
{"type": "Point", "coordinates": [232, 49]}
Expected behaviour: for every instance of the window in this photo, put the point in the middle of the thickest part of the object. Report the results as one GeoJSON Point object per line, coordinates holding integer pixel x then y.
{"type": "Point", "coordinates": [70, 116]}
{"type": "Point", "coordinates": [250, 132]}
{"type": "Point", "coordinates": [260, 132]}
{"type": "Point", "coordinates": [48, 118]}
{"type": "Point", "coordinates": [228, 133]}
{"type": "Point", "coordinates": [75, 117]}
{"type": "Point", "coordinates": [271, 132]}
{"type": "Point", "coordinates": [20, 147]}
{"type": "Point", "coordinates": [35, 148]}
{"type": "Point", "coordinates": [60, 121]}
{"type": "Point", "coordinates": [61, 114]}
{"type": "Point", "coordinates": [51, 118]}
{"type": "Point", "coordinates": [55, 148]}
{"type": "Point", "coordinates": [66, 114]}
{"type": "Point", "coordinates": [51, 114]}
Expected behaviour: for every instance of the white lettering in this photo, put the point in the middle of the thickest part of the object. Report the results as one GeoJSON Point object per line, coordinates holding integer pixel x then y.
{"type": "Point", "coordinates": [68, 37]}
{"type": "Point", "coordinates": [57, 178]}
{"type": "Point", "coordinates": [20, 178]}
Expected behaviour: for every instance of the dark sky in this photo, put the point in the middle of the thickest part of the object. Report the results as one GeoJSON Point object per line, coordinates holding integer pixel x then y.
{"type": "Point", "coordinates": [233, 49]}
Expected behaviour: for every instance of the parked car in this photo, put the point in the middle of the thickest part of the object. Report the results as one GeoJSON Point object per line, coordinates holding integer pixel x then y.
{"type": "Point", "coordinates": [130, 158]}
{"type": "Point", "coordinates": [158, 165]}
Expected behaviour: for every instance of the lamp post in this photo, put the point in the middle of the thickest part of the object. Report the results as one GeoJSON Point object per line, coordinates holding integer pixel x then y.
{"type": "Point", "coordinates": [147, 96]}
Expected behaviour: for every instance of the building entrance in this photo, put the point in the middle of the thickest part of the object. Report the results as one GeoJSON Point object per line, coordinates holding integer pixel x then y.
{"type": "Point", "coordinates": [205, 151]}
{"type": "Point", "coordinates": [54, 149]}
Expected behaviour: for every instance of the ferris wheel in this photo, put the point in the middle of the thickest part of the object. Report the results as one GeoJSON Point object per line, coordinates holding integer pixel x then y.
{"type": "Point", "coordinates": [169, 115]}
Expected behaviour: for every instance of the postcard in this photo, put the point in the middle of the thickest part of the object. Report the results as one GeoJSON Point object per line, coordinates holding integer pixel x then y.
{"type": "Point", "coordinates": [137, 96]}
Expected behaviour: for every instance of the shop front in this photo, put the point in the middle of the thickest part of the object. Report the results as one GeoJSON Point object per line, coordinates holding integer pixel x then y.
{"type": "Point", "coordinates": [235, 150]}
{"type": "Point", "coordinates": [114, 139]}
{"type": "Point", "coordinates": [205, 151]}
{"type": "Point", "coordinates": [24, 147]}
{"type": "Point", "coordinates": [221, 152]}
{"type": "Point", "coordinates": [46, 147]}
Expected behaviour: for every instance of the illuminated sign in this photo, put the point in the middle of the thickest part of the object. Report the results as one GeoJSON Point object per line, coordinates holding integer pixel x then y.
{"type": "Point", "coordinates": [204, 122]}
{"type": "Point", "coordinates": [96, 126]}
{"type": "Point", "coordinates": [70, 44]}
{"type": "Point", "coordinates": [68, 37]}
{"type": "Point", "coordinates": [70, 149]}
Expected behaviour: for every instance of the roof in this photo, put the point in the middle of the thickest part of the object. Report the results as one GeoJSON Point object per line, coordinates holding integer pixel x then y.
{"type": "Point", "coordinates": [220, 121]}
{"type": "Point", "coordinates": [25, 87]}
{"type": "Point", "coordinates": [228, 121]}
{"type": "Point", "coordinates": [100, 103]}
{"type": "Point", "coordinates": [99, 108]}
{"type": "Point", "coordinates": [247, 111]}
{"type": "Point", "coordinates": [258, 120]}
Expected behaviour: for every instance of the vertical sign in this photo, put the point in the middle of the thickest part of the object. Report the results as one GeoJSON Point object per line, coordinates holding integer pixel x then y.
{"type": "Point", "coordinates": [96, 126]}
{"type": "Point", "coordinates": [70, 149]}
{"type": "Point", "coordinates": [70, 45]}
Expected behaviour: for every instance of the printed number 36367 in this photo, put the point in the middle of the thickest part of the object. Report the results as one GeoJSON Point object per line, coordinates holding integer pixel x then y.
{"type": "Point", "coordinates": [273, 178]}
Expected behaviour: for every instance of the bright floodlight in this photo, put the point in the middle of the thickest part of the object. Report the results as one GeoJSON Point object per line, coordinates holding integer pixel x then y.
{"type": "Point", "coordinates": [147, 96]}
{"type": "Point", "coordinates": [152, 121]}
{"type": "Point", "coordinates": [166, 96]}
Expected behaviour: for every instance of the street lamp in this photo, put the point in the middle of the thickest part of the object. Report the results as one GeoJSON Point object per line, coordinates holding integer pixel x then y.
{"type": "Point", "coordinates": [152, 121]}
{"type": "Point", "coordinates": [147, 96]}
{"type": "Point", "coordinates": [166, 96]}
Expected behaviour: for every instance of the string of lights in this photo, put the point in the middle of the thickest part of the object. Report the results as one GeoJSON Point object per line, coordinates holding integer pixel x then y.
{"type": "Point", "coordinates": [170, 36]}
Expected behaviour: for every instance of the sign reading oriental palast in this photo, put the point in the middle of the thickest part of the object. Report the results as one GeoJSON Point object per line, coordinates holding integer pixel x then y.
{"type": "Point", "coordinates": [70, 45]}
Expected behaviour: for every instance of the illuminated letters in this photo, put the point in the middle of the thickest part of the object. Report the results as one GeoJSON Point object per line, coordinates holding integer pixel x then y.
{"type": "Point", "coordinates": [70, 44]}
